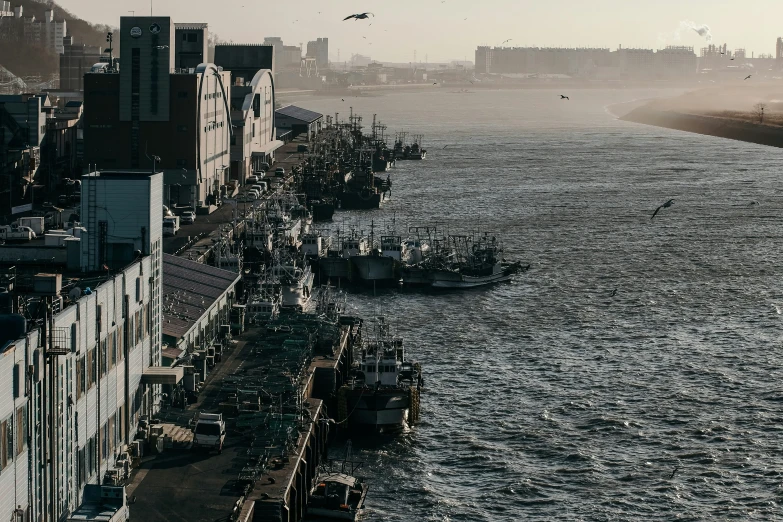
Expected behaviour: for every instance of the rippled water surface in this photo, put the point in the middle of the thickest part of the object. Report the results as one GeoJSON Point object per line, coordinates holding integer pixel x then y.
{"type": "Point", "coordinates": [547, 398]}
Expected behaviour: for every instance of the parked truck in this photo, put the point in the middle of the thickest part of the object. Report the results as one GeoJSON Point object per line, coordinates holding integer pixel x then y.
{"type": "Point", "coordinates": [35, 223]}
{"type": "Point", "coordinates": [210, 431]}
{"type": "Point", "coordinates": [16, 233]}
{"type": "Point", "coordinates": [102, 503]}
{"type": "Point", "coordinates": [170, 225]}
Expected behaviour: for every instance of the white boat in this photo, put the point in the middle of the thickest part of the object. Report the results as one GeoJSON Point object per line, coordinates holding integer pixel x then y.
{"type": "Point", "coordinates": [385, 387]}
{"type": "Point", "coordinates": [296, 284]}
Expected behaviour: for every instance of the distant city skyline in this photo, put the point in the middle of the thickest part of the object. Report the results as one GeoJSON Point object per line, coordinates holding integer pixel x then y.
{"type": "Point", "coordinates": [441, 31]}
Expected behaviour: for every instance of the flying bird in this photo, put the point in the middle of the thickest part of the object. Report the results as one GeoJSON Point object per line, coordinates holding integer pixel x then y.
{"type": "Point", "coordinates": [343, 99]}
{"type": "Point", "coordinates": [674, 471]}
{"type": "Point", "coordinates": [665, 205]}
{"type": "Point", "coordinates": [732, 58]}
{"type": "Point", "coordinates": [504, 41]}
{"type": "Point", "coordinates": [358, 16]}
{"type": "Point", "coordinates": [614, 292]}
{"type": "Point", "coordinates": [748, 76]}
{"type": "Point", "coordinates": [564, 97]}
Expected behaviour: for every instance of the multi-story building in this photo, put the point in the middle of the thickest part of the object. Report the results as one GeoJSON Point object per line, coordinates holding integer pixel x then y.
{"type": "Point", "coordinates": [675, 62]}
{"type": "Point", "coordinates": [128, 117]}
{"type": "Point", "coordinates": [5, 9]}
{"type": "Point", "coordinates": [47, 32]}
{"type": "Point", "coordinates": [290, 56]}
{"type": "Point", "coordinates": [75, 62]}
{"type": "Point", "coordinates": [73, 391]}
{"type": "Point", "coordinates": [636, 63]}
{"type": "Point", "coordinates": [190, 48]}
{"type": "Point", "coordinates": [319, 49]}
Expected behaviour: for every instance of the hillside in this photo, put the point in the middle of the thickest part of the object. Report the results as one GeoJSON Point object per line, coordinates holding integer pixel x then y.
{"type": "Point", "coordinates": [25, 59]}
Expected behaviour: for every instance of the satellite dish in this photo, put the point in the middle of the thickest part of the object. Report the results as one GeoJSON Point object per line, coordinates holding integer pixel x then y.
{"type": "Point", "coordinates": [75, 293]}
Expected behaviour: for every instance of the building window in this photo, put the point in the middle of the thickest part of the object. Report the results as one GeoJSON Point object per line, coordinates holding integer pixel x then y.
{"type": "Point", "coordinates": [182, 128]}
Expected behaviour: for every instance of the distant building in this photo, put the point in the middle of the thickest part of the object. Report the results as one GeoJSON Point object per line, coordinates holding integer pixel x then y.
{"type": "Point", "coordinates": [76, 60]}
{"type": "Point", "coordinates": [290, 56]}
{"type": "Point", "coordinates": [47, 32]}
{"type": "Point", "coordinates": [359, 60]}
{"type": "Point", "coordinates": [5, 9]}
{"type": "Point", "coordinates": [183, 118]}
{"type": "Point", "coordinates": [22, 132]}
{"type": "Point", "coordinates": [675, 62]}
{"type": "Point", "coordinates": [190, 48]}
{"type": "Point", "coordinates": [245, 60]}
{"type": "Point", "coordinates": [319, 49]}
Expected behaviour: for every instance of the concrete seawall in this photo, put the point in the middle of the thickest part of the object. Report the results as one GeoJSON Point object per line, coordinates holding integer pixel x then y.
{"type": "Point", "coordinates": [709, 125]}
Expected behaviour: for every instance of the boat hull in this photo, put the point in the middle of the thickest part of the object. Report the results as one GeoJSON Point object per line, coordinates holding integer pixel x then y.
{"type": "Point", "coordinates": [359, 200]}
{"type": "Point", "coordinates": [468, 281]}
{"type": "Point", "coordinates": [374, 268]}
{"type": "Point", "coordinates": [322, 211]}
{"type": "Point", "coordinates": [338, 267]}
{"type": "Point", "coordinates": [379, 410]}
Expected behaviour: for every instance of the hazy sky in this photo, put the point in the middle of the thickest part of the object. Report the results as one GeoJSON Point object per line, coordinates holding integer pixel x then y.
{"type": "Point", "coordinates": [451, 29]}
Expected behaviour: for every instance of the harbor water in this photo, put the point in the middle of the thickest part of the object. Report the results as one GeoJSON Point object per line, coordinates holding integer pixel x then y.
{"type": "Point", "coordinates": [550, 398]}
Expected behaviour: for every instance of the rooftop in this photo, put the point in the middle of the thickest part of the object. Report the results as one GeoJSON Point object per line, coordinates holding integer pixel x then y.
{"type": "Point", "coordinates": [292, 111]}
{"type": "Point", "coordinates": [189, 289]}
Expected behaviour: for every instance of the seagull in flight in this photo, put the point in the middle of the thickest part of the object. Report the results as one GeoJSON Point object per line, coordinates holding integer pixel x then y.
{"type": "Point", "coordinates": [564, 97]}
{"type": "Point", "coordinates": [748, 76]}
{"type": "Point", "coordinates": [358, 16]}
{"type": "Point", "coordinates": [504, 41]}
{"type": "Point", "coordinates": [665, 205]}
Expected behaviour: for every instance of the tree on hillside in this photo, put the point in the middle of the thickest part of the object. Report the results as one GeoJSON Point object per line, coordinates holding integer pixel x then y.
{"type": "Point", "coordinates": [758, 110]}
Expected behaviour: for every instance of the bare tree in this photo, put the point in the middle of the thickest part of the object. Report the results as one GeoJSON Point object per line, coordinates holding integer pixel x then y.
{"type": "Point", "coordinates": [758, 110]}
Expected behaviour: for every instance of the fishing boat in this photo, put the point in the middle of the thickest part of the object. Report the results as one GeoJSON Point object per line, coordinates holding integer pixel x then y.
{"type": "Point", "coordinates": [382, 395]}
{"type": "Point", "coordinates": [380, 265]}
{"type": "Point", "coordinates": [337, 493]}
{"type": "Point", "coordinates": [337, 263]}
{"type": "Point", "coordinates": [476, 262]}
{"type": "Point", "coordinates": [295, 280]}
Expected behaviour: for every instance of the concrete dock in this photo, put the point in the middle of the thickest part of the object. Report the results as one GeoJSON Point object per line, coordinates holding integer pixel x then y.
{"type": "Point", "coordinates": [255, 478]}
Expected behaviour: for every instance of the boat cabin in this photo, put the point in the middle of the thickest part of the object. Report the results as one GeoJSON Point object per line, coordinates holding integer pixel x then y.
{"type": "Point", "coordinates": [384, 370]}
{"type": "Point", "coordinates": [312, 245]}
{"type": "Point", "coordinates": [355, 246]}
{"type": "Point", "coordinates": [391, 246]}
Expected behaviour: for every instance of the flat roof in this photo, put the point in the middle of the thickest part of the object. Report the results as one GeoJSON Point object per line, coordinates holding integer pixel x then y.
{"type": "Point", "coordinates": [190, 288]}
{"type": "Point", "coordinates": [298, 113]}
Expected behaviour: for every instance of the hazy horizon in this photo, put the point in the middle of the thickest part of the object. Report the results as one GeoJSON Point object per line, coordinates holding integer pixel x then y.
{"type": "Point", "coordinates": [451, 29]}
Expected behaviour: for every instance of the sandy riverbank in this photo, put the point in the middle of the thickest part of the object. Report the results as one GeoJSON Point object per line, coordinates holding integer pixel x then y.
{"type": "Point", "coordinates": [726, 112]}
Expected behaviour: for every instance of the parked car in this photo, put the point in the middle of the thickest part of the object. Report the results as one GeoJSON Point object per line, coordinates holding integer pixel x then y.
{"type": "Point", "coordinates": [302, 148]}
{"type": "Point", "coordinates": [264, 166]}
{"type": "Point", "coordinates": [254, 194]}
{"type": "Point", "coordinates": [252, 179]}
{"type": "Point", "coordinates": [188, 218]}
{"type": "Point", "coordinates": [260, 187]}
{"type": "Point", "coordinates": [280, 171]}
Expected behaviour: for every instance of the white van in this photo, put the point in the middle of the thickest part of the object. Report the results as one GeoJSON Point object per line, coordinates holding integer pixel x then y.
{"type": "Point", "coordinates": [210, 431]}
{"type": "Point", "coordinates": [170, 225]}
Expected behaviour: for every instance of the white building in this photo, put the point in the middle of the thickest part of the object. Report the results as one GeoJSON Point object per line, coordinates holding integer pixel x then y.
{"type": "Point", "coordinates": [253, 117]}
{"type": "Point", "coordinates": [71, 395]}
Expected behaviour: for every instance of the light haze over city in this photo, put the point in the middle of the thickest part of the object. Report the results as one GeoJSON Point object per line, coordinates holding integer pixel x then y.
{"type": "Point", "coordinates": [450, 30]}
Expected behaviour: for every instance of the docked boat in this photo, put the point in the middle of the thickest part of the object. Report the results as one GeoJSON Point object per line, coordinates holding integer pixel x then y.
{"type": "Point", "coordinates": [380, 265]}
{"type": "Point", "coordinates": [383, 393]}
{"type": "Point", "coordinates": [337, 493]}
{"type": "Point", "coordinates": [477, 262]}
{"type": "Point", "coordinates": [337, 263]}
{"type": "Point", "coordinates": [296, 283]}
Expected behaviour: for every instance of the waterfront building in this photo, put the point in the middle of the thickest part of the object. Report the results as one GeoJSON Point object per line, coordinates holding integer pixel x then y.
{"type": "Point", "coordinates": [197, 301]}
{"type": "Point", "coordinates": [77, 379]}
{"type": "Point", "coordinates": [154, 114]}
{"type": "Point", "coordinates": [297, 120]}
{"type": "Point", "coordinates": [254, 139]}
